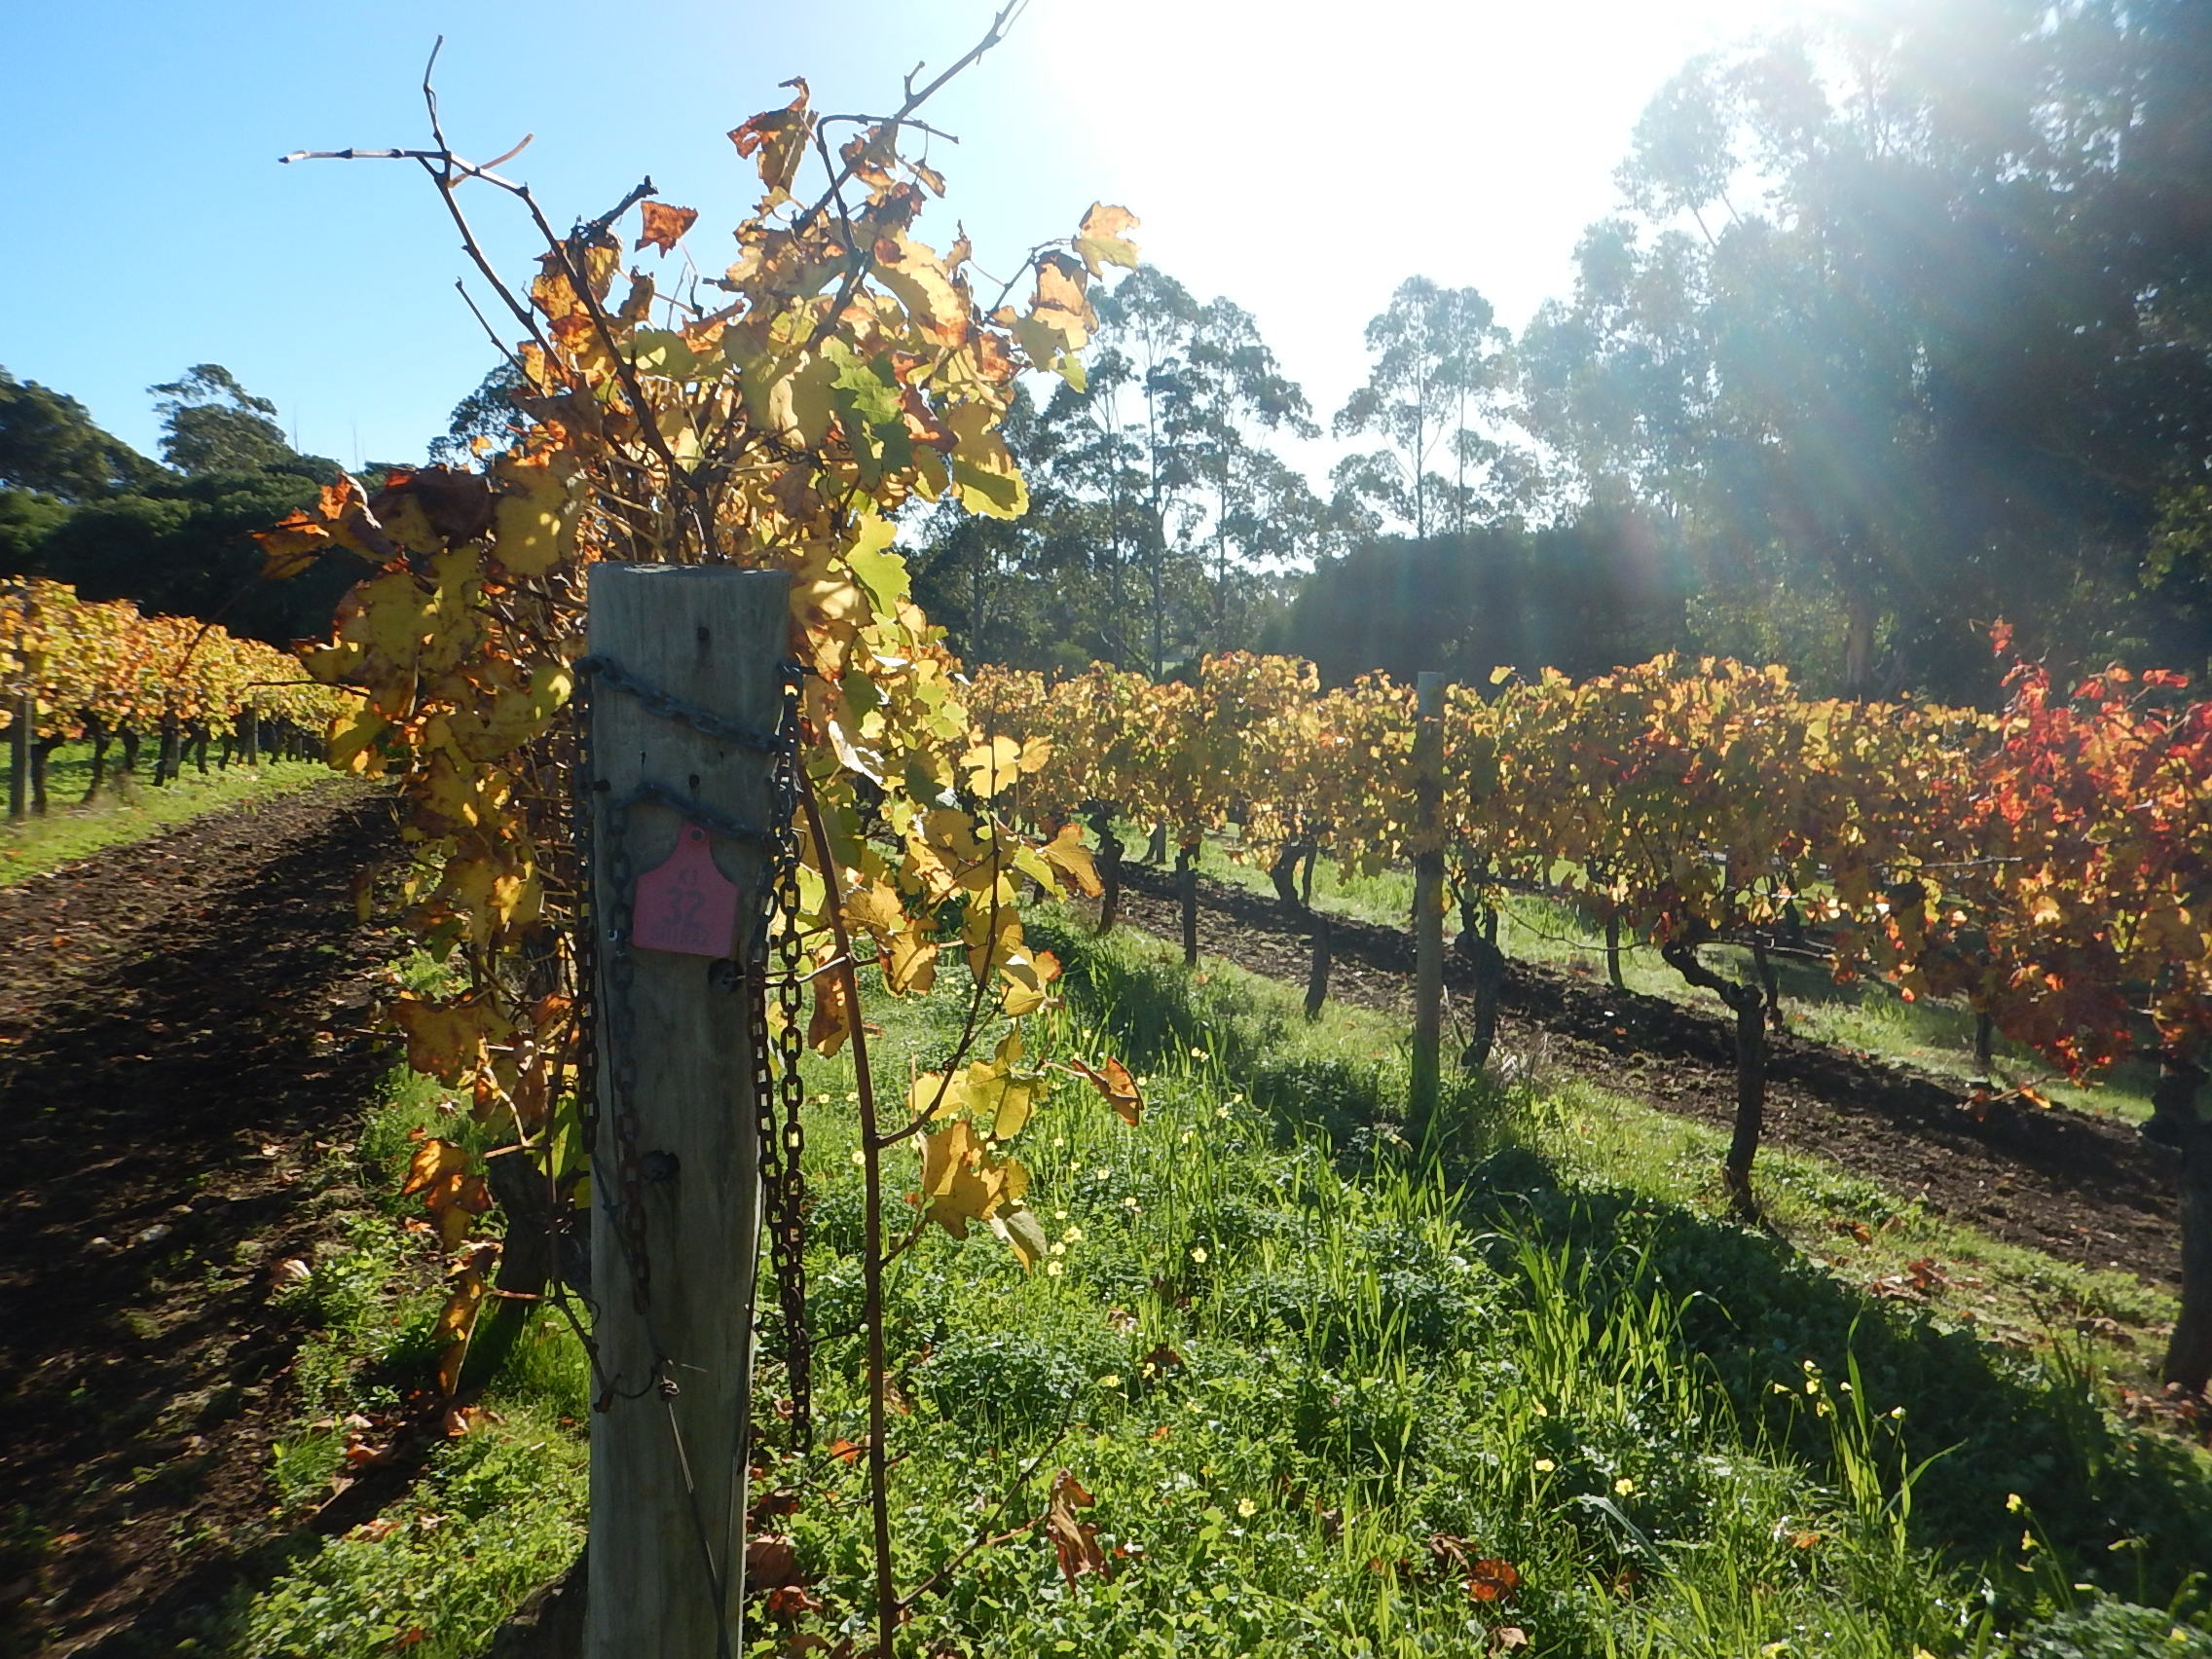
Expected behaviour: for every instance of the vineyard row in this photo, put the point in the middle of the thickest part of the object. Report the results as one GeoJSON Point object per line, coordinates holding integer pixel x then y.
{"type": "Point", "coordinates": [2048, 864]}
{"type": "Point", "coordinates": [73, 669]}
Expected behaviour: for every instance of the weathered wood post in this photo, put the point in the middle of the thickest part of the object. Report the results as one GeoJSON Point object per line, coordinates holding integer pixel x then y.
{"type": "Point", "coordinates": [1428, 897]}
{"type": "Point", "coordinates": [20, 719]}
{"type": "Point", "coordinates": [676, 1162]}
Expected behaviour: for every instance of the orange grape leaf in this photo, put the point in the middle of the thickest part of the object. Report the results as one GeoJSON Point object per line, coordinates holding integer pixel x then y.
{"type": "Point", "coordinates": [1491, 1580]}
{"type": "Point", "coordinates": [1115, 1083]}
{"type": "Point", "coordinates": [665, 226]}
{"type": "Point", "coordinates": [1074, 1542]}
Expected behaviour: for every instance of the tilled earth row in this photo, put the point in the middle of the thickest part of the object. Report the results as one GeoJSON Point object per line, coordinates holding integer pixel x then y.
{"type": "Point", "coordinates": [181, 1047]}
{"type": "Point", "coordinates": [2080, 1187]}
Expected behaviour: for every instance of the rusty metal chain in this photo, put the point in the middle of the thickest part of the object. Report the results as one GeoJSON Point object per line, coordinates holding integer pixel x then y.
{"type": "Point", "coordinates": [778, 1082]}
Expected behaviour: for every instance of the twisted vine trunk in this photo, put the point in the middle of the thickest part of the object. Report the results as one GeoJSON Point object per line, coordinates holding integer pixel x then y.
{"type": "Point", "coordinates": [40, 751]}
{"type": "Point", "coordinates": [1613, 954]}
{"type": "Point", "coordinates": [2174, 1122]}
{"type": "Point", "coordinates": [1317, 976]}
{"type": "Point", "coordinates": [1110, 850]}
{"type": "Point", "coordinates": [99, 735]}
{"type": "Point", "coordinates": [1284, 872]}
{"type": "Point", "coordinates": [1748, 1002]}
{"type": "Point", "coordinates": [1479, 946]}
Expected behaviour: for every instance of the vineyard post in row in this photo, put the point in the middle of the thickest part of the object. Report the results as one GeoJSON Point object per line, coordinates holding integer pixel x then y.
{"type": "Point", "coordinates": [676, 1160]}
{"type": "Point", "coordinates": [1429, 898]}
{"type": "Point", "coordinates": [22, 718]}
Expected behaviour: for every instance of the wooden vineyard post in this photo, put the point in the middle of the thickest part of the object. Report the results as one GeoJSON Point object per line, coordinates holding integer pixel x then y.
{"type": "Point", "coordinates": [1429, 898]}
{"type": "Point", "coordinates": [19, 757]}
{"type": "Point", "coordinates": [676, 1163]}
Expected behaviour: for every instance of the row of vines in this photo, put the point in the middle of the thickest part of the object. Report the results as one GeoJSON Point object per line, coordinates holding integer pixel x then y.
{"type": "Point", "coordinates": [77, 670]}
{"type": "Point", "coordinates": [2049, 865]}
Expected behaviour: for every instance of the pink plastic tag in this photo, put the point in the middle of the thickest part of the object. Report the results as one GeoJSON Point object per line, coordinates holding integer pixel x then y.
{"type": "Point", "coordinates": [686, 906]}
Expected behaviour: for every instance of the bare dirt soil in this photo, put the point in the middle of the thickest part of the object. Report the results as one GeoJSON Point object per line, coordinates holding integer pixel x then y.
{"type": "Point", "coordinates": [2080, 1187]}
{"type": "Point", "coordinates": [181, 1048]}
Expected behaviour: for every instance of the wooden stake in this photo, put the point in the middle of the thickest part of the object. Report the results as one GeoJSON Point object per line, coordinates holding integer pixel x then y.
{"type": "Point", "coordinates": [1429, 898]}
{"type": "Point", "coordinates": [19, 759]}
{"type": "Point", "coordinates": [667, 1450]}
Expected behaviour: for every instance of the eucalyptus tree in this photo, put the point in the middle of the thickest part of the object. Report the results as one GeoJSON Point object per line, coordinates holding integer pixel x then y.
{"type": "Point", "coordinates": [1168, 434]}
{"type": "Point", "coordinates": [1906, 324]}
{"type": "Point", "coordinates": [1438, 366]}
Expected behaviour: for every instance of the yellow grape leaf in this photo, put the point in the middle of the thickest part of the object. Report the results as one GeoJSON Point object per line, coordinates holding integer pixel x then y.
{"type": "Point", "coordinates": [984, 473]}
{"type": "Point", "coordinates": [354, 739]}
{"type": "Point", "coordinates": [1499, 674]}
{"type": "Point", "coordinates": [910, 963]}
{"type": "Point", "coordinates": [1020, 1229]}
{"type": "Point", "coordinates": [1101, 239]}
{"type": "Point", "coordinates": [1028, 980]}
{"type": "Point", "coordinates": [446, 1040]}
{"type": "Point", "coordinates": [992, 765]}
{"type": "Point", "coordinates": [962, 1182]}
{"type": "Point", "coordinates": [911, 271]}
{"type": "Point", "coordinates": [1066, 853]}
{"type": "Point", "coordinates": [458, 1318]}
{"type": "Point", "coordinates": [534, 517]}
{"type": "Point", "coordinates": [880, 572]}
{"type": "Point", "coordinates": [434, 1160]}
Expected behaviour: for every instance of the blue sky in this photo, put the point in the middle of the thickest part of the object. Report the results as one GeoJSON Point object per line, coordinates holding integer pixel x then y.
{"type": "Point", "coordinates": [1301, 159]}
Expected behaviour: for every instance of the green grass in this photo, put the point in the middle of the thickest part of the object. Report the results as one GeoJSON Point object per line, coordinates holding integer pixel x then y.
{"type": "Point", "coordinates": [71, 830]}
{"type": "Point", "coordinates": [493, 1512]}
{"type": "Point", "coordinates": [1315, 1362]}
{"type": "Point", "coordinates": [1544, 1343]}
{"type": "Point", "coordinates": [1865, 1017]}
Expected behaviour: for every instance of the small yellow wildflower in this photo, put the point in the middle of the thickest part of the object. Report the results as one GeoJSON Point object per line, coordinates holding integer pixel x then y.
{"type": "Point", "coordinates": [1246, 1507]}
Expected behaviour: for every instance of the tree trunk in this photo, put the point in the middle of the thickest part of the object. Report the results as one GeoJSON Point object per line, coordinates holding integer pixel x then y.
{"type": "Point", "coordinates": [1187, 889]}
{"type": "Point", "coordinates": [1985, 1046]}
{"type": "Point", "coordinates": [198, 740]}
{"type": "Point", "coordinates": [1305, 877]}
{"type": "Point", "coordinates": [2174, 1122]}
{"type": "Point", "coordinates": [1155, 848]}
{"type": "Point", "coordinates": [1479, 946]}
{"type": "Point", "coordinates": [1317, 978]}
{"type": "Point", "coordinates": [1613, 954]}
{"type": "Point", "coordinates": [130, 742]}
{"type": "Point", "coordinates": [169, 760]}
{"type": "Point", "coordinates": [1748, 1002]}
{"type": "Point", "coordinates": [1110, 852]}
{"type": "Point", "coordinates": [249, 734]}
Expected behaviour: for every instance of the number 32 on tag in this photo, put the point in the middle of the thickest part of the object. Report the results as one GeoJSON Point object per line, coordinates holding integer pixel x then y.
{"type": "Point", "coordinates": [686, 906]}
